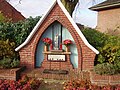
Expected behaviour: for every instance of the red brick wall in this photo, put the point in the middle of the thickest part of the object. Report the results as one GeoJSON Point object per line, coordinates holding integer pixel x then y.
{"type": "Point", "coordinates": [104, 79]}
{"type": "Point", "coordinates": [10, 12]}
{"type": "Point", "coordinates": [85, 55]}
{"type": "Point", "coordinates": [57, 65]}
{"type": "Point", "coordinates": [11, 74]}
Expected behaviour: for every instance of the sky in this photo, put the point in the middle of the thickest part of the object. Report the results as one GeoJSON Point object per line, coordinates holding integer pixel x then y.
{"type": "Point", "coordinates": [38, 7]}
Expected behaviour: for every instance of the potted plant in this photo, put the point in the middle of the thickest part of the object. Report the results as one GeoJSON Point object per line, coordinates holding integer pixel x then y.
{"type": "Point", "coordinates": [67, 43]}
{"type": "Point", "coordinates": [47, 41]}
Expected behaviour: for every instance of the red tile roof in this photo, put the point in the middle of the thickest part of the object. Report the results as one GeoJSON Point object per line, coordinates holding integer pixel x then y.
{"type": "Point", "coordinates": [10, 12]}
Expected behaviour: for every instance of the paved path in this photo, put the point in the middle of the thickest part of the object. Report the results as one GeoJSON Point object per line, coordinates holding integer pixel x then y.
{"type": "Point", "coordinates": [51, 86]}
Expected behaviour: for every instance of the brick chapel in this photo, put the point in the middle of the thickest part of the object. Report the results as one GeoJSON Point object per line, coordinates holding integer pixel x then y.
{"type": "Point", "coordinates": [58, 26]}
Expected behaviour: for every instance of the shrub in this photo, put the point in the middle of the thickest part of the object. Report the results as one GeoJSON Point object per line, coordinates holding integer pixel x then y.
{"type": "Point", "coordinates": [94, 37]}
{"type": "Point", "coordinates": [109, 48]}
{"type": "Point", "coordinates": [117, 66]}
{"type": "Point", "coordinates": [105, 68]}
{"type": "Point", "coordinates": [5, 63]}
{"type": "Point", "coordinates": [12, 35]}
{"type": "Point", "coordinates": [8, 57]}
{"type": "Point", "coordinates": [7, 49]}
{"type": "Point", "coordinates": [109, 57]}
{"type": "Point", "coordinates": [17, 32]}
{"type": "Point", "coordinates": [9, 63]}
{"type": "Point", "coordinates": [2, 18]}
{"type": "Point", "coordinates": [110, 52]}
{"type": "Point", "coordinates": [15, 63]}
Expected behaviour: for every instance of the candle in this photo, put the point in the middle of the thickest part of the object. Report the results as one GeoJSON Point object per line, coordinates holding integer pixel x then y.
{"type": "Point", "coordinates": [51, 47]}
{"type": "Point", "coordinates": [61, 46]}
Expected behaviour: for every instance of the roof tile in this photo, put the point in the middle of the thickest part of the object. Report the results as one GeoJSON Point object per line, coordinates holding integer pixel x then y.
{"type": "Point", "coordinates": [106, 4]}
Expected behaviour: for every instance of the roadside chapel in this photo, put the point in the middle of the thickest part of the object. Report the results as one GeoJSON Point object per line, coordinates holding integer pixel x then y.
{"type": "Point", "coordinates": [57, 43]}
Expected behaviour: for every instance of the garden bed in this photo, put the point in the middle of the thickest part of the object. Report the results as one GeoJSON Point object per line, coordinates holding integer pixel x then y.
{"type": "Point", "coordinates": [25, 83]}
{"type": "Point", "coordinates": [77, 84]}
{"type": "Point", "coordinates": [11, 74]}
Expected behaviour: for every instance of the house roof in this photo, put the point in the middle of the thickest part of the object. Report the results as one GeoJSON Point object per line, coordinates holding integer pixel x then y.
{"type": "Point", "coordinates": [10, 12]}
{"type": "Point", "coordinates": [69, 18]}
{"type": "Point", "coordinates": [106, 5]}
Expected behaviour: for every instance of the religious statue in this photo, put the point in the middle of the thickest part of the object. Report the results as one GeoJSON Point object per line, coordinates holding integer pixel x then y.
{"type": "Point", "coordinates": [56, 41]}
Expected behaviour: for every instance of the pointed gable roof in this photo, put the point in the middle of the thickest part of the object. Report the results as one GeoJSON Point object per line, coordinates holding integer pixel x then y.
{"type": "Point", "coordinates": [69, 18]}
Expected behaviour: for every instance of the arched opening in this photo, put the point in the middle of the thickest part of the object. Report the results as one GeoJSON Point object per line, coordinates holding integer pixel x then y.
{"type": "Point", "coordinates": [56, 29]}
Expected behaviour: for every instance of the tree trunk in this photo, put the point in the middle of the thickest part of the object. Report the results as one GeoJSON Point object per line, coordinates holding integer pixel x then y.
{"type": "Point", "coordinates": [70, 5]}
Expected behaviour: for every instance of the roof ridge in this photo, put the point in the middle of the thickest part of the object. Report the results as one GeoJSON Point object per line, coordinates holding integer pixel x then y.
{"type": "Point", "coordinates": [106, 4]}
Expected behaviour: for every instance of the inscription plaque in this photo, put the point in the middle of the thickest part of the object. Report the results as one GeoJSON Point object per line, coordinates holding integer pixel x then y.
{"type": "Point", "coordinates": [56, 57]}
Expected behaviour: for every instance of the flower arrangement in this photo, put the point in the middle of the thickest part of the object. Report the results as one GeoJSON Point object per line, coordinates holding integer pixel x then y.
{"type": "Point", "coordinates": [67, 42]}
{"type": "Point", "coordinates": [47, 41]}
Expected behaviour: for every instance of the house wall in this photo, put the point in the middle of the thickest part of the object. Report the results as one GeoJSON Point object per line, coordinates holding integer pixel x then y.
{"type": "Point", "coordinates": [10, 12]}
{"type": "Point", "coordinates": [109, 21]}
{"type": "Point", "coordinates": [85, 55]}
